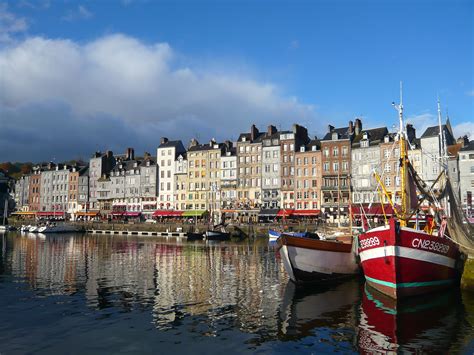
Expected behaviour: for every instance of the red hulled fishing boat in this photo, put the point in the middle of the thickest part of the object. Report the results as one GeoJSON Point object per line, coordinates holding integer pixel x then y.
{"type": "Point", "coordinates": [400, 259]}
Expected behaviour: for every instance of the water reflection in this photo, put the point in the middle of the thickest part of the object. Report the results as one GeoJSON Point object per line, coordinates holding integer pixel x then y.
{"type": "Point", "coordinates": [426, 324]}
{"type": "Point", "coordinates": [327, 306]}
{"type": "Point", "coordinates": [174, 292]}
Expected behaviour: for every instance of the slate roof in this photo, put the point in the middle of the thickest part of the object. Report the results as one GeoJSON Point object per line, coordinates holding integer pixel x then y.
{"type": "Point", "coordinates": [469, 147]}
{"type": "Point", "coordinates": [375, 136]}
{"type": "Point", "coordinates": [312, 143]}
{"type": "Point", "coordinates": [343, 133]}
{"type": "Point", "coordinates": [434, 131]}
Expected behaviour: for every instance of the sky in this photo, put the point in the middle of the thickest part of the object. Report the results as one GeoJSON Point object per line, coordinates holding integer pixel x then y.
{"type": "Point", "coordinates": [81, 76]}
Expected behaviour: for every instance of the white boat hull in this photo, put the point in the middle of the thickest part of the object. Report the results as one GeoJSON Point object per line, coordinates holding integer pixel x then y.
{"type": "Point", "coordinates": [316, 260]}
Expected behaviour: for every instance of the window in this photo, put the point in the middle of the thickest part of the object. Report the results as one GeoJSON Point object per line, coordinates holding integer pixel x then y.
{"type": "Point", "coordinates": [387, 168]}
{"type": "Point", "coordinates": [326, 152]}
{"type": "Point", "coordinates": [326, 166]}
{"type": "Point", "coordinates": [335, 166]}
{"type": "Point", "coordinates": [387, 181]}
{"type": "Point", "coordinates": [335, 151]}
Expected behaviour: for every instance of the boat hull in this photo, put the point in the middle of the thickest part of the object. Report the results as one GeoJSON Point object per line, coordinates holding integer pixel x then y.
{"type": "Point", "coordinates": [215, 235]}
{"type": "Point", "coordinates": [402, 262]}
{"type": "Point", "coordinates": [195, 236]}
{"type": "Point", "coordinates": [309, 260]}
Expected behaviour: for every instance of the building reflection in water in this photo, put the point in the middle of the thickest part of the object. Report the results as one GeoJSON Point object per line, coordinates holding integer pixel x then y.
{"type": "Point", "coordinates": [204, 289]}
{"type": "Point", "coordinates": [242, 283]}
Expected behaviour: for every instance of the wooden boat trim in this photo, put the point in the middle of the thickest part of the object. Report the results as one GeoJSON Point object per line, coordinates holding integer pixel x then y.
{"type": "Point", "coordinates": [308, 243]}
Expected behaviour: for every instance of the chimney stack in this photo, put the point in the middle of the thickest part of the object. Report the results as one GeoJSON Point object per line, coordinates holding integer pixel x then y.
{"type": "Point", "coordinates": [271, 130]}
{"type": "Point", "coordinates": [330, 128]}
{"type": "Point", "coordinates": [411, 132]}
{"type": "Point", "coordinates": [351, 127]}
{"type": "Point", "coordinates": [253, 133]}
{"type": "Point", "coordinates": [163, 140]}
{"type": "Point", "coordinates": [130, 154]}
{"type": "Point", "coordinates": [358, 126]}
{"type": "Point", "coordinates": [193, 143]}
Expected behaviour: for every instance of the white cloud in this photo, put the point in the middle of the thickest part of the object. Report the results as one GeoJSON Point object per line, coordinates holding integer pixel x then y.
{"type": "Point", "coordinates": [80, 13]}
{"type": "Point", "coordinates": [10, 24]}
{"type": "Point", "coordinates": [463, 129]}
{"type": "Point", "coordinates": [422, 121]}
{"type": "Point", "coordinates": [138, 86]}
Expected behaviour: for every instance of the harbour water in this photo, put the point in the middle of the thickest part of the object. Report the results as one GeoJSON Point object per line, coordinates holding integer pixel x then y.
{"type": "Point", "coordinates": [122, 294]}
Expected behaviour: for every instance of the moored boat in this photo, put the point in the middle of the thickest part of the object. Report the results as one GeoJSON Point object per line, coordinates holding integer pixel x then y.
{"type": "Point", "coordinates": [400, 259]}
{"type": "Point", "coordinates": [216, 235]}
{"type": "Point", "coordinates": [308, 260]}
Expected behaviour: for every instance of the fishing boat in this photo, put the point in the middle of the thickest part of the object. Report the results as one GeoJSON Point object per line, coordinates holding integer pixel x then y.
{"type": "Point", "coordinates": [310, 259]}
{"type": "Point", "coordinates": [400, 259]}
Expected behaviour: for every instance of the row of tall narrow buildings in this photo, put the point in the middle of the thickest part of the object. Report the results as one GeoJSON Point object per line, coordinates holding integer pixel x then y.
{"type": "Point", "coordinates": [262, 174]}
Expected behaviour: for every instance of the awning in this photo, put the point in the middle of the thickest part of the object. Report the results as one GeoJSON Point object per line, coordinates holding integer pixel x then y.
{"type": "Point", "coordinates": [375, 210]}
{"type": "Point", "coordinates": [167, 213]}
{"type": "Point", "coordinates": [306, 212]}
{"type": "Point", "coordinates": [132, 214]}
{"type": "Point", "coordinates": [21, 213]}
{"type": "Point", "coordinates": [53, 214]}
{"type": "Point", "coordinates": [194, 213]}
{"type": "Point", "coordinates": [285, 213]}
{"type": "Point", "coordinates": [87, 214]}
{"type": "Point", "coordinates": [268, 213]}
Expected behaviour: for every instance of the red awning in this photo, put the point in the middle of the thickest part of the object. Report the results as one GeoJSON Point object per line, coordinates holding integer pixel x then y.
{"type": "Point", "coordinates": [167, 213]}
{"type": "Point", "coordinates": [118, 213]}
{"type": "Point", "coordinates": [285, 213]}
{"type": "Point", "coordinates": [55, 213]}
{"type": "Point", "coordinates": [306, 212]}
{"type": "Point", "coordinates": [375, 210]}
{"type": "Point", "coordinates": [132, 214]}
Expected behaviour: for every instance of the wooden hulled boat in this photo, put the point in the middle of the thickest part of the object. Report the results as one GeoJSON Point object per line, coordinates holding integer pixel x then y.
{"type": "Point", "coordinates": [309, 260]}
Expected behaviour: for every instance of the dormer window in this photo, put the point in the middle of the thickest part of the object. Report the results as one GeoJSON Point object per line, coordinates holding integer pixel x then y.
{"type": "Point", "coordinates": [148, 163]}
{"type": "Point", "coordinates": [135, 164]}
{"type": "Point", "coordinates": [364, 144]}
{"type": "Point", "coordinates": [243, 139]}
{"type": "Point", "coordinates": [302, 149]}
{"type": "Point", "coordinates": [366, 136]}
{"type": "Point", "coordinates": [386, 139]}
{"type": "Point", "coordinates": [335, 136]}
{"type": "Point", "coordinates": [314, 148]}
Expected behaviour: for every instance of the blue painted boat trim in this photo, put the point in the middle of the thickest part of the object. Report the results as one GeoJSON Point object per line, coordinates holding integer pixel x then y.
{"type": "Point", "coordinates": [409, 284]}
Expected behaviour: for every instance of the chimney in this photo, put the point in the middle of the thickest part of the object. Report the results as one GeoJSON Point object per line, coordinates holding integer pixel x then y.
{"type": "Point", "coordinates": [351, 127]}
{"type": "Point", "coordinates": [411, 132]}
{"type": "Point", "coordinates": [330, 128]}
{"type": "Point", "coordinates": [163, 140]}
{"type": "Point", "coordinates": [193, 143]}
{"type": "Point", "coordinates": [358, 126]}
{"type": "Point", "coordinates": [464, 141]}
{"type": "Point", "coordinates": [253, 133]}
{"type": "Point", "coordinates": [271, 130]}
{"type": "Point", "coordinates": [146, 156]}
{"type": "Point", "coordinates": [130, 154]}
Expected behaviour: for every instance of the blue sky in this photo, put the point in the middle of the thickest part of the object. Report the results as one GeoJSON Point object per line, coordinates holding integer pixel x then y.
{"type": "Point", "coordinates": [211, 68]}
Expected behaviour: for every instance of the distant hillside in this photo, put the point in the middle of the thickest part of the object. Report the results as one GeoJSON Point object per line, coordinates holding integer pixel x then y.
{"type": "Point", "coordinates": [17, 170]}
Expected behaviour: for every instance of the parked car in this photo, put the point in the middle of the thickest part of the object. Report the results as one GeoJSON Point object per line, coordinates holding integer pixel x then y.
{"type": "Point", "coordinates": [150, 221]}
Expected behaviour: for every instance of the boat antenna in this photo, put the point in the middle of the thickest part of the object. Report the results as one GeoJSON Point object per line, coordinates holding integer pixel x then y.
{"type": "Point", "coordinates": [403, 158]}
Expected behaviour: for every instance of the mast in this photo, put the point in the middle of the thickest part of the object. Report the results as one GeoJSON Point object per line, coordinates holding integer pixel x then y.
{"type": "Point", "coordinates": [403, 159]}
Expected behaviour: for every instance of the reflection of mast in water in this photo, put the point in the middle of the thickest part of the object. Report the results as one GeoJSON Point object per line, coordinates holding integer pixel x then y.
{"type": "Point", "coordinates": [414, 325]}
{"type": "Point", "coordinates": [329, 306]}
